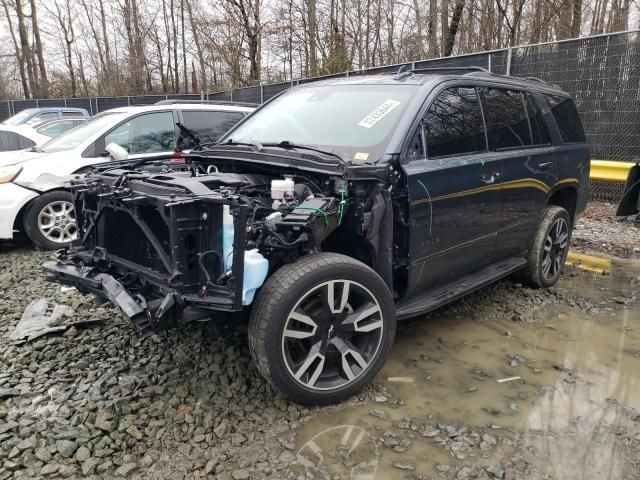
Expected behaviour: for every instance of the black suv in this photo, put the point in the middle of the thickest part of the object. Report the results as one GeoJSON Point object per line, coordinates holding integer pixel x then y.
{"type": "Point", "coordinates": [343, 206]}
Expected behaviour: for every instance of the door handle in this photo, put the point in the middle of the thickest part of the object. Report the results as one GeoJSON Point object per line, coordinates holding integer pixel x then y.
{"type": "Point", "coordinates": [545, 165]}
{"type": "Point", "coordinates": [489, 179]}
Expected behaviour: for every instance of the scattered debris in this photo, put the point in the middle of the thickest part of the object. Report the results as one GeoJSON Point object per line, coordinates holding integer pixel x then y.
{"type": "Point", "coordinates": [42, 317]}
{"type": "Point", "coordinates": [509, 379]}
{"type": "Point", "coordinates": [400, 379]}
{"type": "Point", "coordinates": [379, 414]}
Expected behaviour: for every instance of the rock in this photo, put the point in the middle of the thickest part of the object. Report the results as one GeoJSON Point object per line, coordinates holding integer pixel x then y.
{"type": "Point", "coordinates": [43, 455]}
{"type": "Point", "coordinates": [442, 468]}
{"type": "Point", "coordinates": [221, 429]}
{"type": "Point", "coordinates": [240, 475]}
{"type": "Point", "coordinates": [8, 392]}
{"type": "Point", "coordinates": [50, 469]}
{"type": "Point", "coordinates": [211, 465]}
{"type": "Point", "coordinates": [463, 473]}
{"type": "Point", "coordinates": [147, 461]}
{"type": "Point", "coordinates": [82, 454]}
{"type": "Point", "coordinates": [66, 448]}
{"type": "Point", "coordinates": [495, 471]}
{"type": "Point", "coordinates": [126, 469]}
{"type": "Point", "coordinates": [28, 443]}
{"type": "Point", "coordinates": [89, 466]}
{"type": "Point", "coordinates": [134, 432]}
{"type": "Point", "coordinates": [379, 414]}
{"type": "Point", "coordinates": [104, 422]}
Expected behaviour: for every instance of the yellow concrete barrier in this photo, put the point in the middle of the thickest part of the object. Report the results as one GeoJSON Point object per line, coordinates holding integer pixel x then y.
{"type": "Point", "coordinates": [609, 171]}
{"type": "Point", "coordinates": [590, 263]}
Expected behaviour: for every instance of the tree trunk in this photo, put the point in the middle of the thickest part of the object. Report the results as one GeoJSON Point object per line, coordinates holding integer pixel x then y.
{"type": "Point", "coordinates": [453, 28]}
{"type": "Point", "coordinates": [432, 28]}
{"type": "Point", "coordinates": [18, 53]}
{"type": "Point", "coordinates": [25, 47]}
{"type": "Point", "coordinates": [312, 32]}
{"type": "Point", "coordinates": [576, 21]}
{"type": "Point", "coordinates": [44, 81]}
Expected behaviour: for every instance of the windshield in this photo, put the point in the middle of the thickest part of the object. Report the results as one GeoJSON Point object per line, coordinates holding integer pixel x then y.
{"type": "Point", "coordinates": [354, 121]}
{"type": "Point", "coordinates": [19, 117]}
{"type": "Point", "coordinates": [74, 137]}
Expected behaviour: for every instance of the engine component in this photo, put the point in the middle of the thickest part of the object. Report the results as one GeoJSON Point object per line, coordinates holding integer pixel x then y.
{"type": "Point", "coordinates": [281, 189]}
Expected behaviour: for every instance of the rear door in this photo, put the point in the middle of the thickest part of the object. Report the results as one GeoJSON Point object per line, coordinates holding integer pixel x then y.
{"type": "Point", "coordinates": [453, 190]}
{"type": "Point", "coordinates": [518, 135]}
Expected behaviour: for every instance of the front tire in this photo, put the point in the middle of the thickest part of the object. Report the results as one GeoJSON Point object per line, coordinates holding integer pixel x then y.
{"type": "Point", "coordinates": [321, 328]}
{"type": "Point", "coordinates": [549, 249]}
{"type": "Point", "coordinates": [50, 220]}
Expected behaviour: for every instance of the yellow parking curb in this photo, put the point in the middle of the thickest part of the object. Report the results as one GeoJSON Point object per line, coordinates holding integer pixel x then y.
{"type": "Point", "coordinates": [590, 263]}
{"type": "Point", "coordinates": [608, 171]}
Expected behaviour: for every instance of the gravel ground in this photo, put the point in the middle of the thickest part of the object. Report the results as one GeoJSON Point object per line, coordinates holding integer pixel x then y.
{"type": "Point", "coordinates": [99, 402]}
{"type": "Point", "coordinates": [600, 231]}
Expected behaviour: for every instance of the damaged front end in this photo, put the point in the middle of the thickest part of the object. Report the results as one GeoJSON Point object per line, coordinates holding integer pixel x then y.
{"type": "Point", "coordinates": [175, 246]}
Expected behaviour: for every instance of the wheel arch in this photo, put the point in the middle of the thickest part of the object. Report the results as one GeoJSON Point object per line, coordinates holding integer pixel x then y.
{"type": "Point", "coordinates": [18, 222]}
{"type": "Point", "coordinates": [565, 197]}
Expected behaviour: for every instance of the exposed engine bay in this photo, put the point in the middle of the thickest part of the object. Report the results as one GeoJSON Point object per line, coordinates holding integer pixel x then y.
{"type": "Point", "coordinates": [158, 239]}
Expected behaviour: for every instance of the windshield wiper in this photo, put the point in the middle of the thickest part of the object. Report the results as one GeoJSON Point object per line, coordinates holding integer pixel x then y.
{"type": "Point", "coordinates": [187, 133]}
{"type": "Point", "coordinates": [287, 145]}
{"type": "Point", "coordinates": [256, 146]}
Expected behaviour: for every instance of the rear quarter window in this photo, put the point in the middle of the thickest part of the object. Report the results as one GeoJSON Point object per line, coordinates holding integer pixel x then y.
{"type": "Point", "coordinates": [208, 125]}
{"type": "Point", "coordinates": [12, 141]}
{"type": "Point", "coordinates": [566, 115]}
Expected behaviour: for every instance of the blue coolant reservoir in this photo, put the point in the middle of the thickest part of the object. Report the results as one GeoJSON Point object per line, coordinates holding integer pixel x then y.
{"type": "Point", "coordinates": [256, 266]}
{"type": "Point", "coordinates": [227, 237]}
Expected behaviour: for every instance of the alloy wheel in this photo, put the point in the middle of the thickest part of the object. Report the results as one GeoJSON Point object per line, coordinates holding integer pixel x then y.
{"type": "Point", "coordinates": [57, 222]}
{"type": "Point", "coordinates": [555, 248]}
{"type": "Point", "coordinates": [332, 335]}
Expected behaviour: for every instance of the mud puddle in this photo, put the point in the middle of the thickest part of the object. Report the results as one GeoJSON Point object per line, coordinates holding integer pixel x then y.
{"type": "Point", "coordinates": [470, 393]}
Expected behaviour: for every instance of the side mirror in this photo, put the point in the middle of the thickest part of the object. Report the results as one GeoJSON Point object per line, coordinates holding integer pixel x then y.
{"type": "Point", "coordinates": [116, 151]}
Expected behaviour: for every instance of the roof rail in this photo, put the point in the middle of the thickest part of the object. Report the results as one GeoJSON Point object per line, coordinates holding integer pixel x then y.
{"type": "Point", "coordinates": [455, 69]}
{"type": "Point", "coordinates": [174, 101]}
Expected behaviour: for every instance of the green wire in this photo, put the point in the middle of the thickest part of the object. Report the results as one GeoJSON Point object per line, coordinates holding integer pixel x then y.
{"type": "Point", "coordinates": [430, 206]}
{"type": "Point", "coordinates": [341, 208]}
{"type": "Point", "coordinates": [326, 219]}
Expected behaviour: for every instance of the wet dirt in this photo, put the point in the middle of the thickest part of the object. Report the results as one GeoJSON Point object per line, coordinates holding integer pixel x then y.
{"type": "Point", "coordinates": [468, 392]}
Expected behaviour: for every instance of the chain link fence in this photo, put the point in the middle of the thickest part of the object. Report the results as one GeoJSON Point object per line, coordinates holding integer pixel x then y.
{"type": "Point", "coordinates": [602, 73]}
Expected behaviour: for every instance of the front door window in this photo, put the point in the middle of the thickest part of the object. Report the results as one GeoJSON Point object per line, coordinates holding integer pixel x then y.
{"type": "Point", "coordinates": [149, 133]}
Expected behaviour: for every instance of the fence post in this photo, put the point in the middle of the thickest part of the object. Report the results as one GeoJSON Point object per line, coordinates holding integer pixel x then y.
{"type": "Point", "coordinates": [509, 52]}
{"type": "Point", "coordinates": [261, 93]}
{"type": "Point", "coordinates": [65, 102]}
{"type": "Point", "coordinates": [37, 103]}
{"type": "Point", "coordinates": [231, 94]}
{"type": "Point", "coordinates": [489, 62]}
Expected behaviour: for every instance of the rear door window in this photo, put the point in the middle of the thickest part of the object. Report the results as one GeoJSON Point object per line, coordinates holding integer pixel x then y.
{"type": "Point", "coordinates": [207, 125]}
{"type": "Point", "coordinates": [148, 133]}
{"type": "Point", "coordinates": [453, 124]}
{"type": "Point", "coordinates": [42, 116]}
{"type": "Point", "coordinates": [507, 120]}
{"type": "Point", "coordinates": [567, 118]}
{"type": "Point", "coordinates": [539, 130]}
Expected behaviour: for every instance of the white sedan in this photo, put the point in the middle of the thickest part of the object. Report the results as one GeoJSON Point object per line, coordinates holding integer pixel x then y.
{"type": "Point", "coordinates": [19, 137]}
{"type": "Point", "coordinates": [32, 182]}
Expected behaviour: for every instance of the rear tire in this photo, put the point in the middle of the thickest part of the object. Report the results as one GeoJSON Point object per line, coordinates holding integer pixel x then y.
{"type": "Point", "coordinates": [321, 328]}
{"type": "Point", "coordinates": [548, 250]}
{"type": "Point", "coordinates": [50, 220]}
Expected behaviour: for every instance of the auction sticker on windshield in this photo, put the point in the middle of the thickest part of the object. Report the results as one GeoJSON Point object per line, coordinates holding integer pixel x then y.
{"type": "Point", "coordinates": [379, 113]}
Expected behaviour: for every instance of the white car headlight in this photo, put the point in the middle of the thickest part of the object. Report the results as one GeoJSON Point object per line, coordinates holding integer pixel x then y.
{"type": "Point", "coordinates": [8, 174]}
